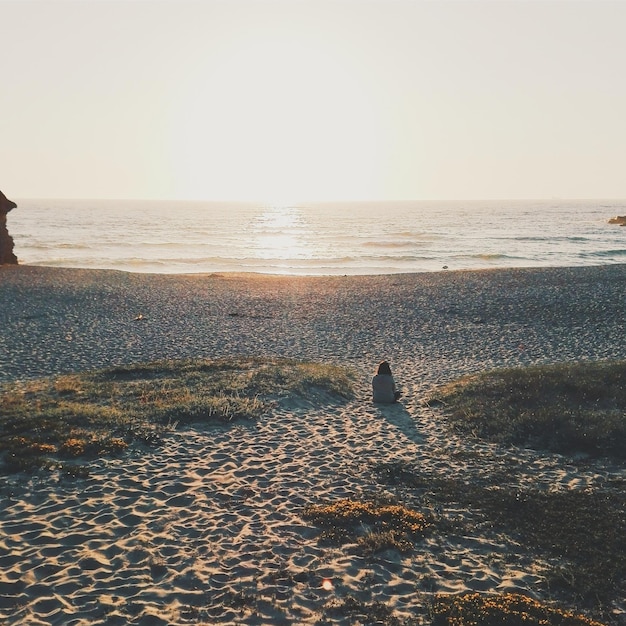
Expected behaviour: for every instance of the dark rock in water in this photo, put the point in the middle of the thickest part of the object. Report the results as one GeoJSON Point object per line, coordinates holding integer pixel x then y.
{"type": "Point", "coordinates": [620, 219]}
{"type": "Point", "coordinates": [6, 241]}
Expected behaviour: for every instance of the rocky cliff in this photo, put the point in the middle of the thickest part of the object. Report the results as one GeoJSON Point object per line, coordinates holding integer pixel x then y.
{"type": "Point", "coordinates": [6, 241]}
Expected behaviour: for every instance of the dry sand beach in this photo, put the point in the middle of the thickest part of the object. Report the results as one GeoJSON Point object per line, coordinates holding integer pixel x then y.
{"type": "Point", "coordinates": [208, 529]}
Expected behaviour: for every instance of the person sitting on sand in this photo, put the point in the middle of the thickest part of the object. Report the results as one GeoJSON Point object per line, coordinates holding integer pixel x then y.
{"type": "Point", "coordinates": [384, 386]}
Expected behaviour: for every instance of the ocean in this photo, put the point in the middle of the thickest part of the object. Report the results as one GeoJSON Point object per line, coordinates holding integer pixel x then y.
{"type": "Point", "coordinates": [316, 239]}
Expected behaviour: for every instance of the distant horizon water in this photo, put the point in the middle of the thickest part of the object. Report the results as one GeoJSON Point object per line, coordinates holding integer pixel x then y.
{"type": "Point", "coordinates": [331, 238]}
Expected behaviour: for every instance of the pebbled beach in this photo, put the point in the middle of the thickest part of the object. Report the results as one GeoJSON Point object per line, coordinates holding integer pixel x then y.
{"type": "Point", "coordinates": [208, 528]}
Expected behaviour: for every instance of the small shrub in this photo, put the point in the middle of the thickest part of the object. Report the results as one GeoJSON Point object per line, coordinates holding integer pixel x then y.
{"type": "Point", "coordinates": [376, 542]}
{"type": "Point", "coordinates": [375, 527]}
{"type": "Point", "coordinates": [73, 447]}
{"type": "Point", "coordinates": [501, 610]}
{"type": "Point", "coordinates": [114, 446]}
{"type": "Point", "coordinates": [350, 513]}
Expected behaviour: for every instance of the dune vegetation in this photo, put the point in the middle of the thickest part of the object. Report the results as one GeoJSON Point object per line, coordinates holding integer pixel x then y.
{"type": "Point", "coordinates": [569, 408]}
{"type": "Point", "coordinates": [47, 422]}
{"type": "Point", "coordinates": [509, 609]}
{"type": "Point", "coordinates": [375, 526]}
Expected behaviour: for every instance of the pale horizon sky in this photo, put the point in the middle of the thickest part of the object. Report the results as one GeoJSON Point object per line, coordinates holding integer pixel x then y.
{"type": "Point", "coordinates": [313, 100]}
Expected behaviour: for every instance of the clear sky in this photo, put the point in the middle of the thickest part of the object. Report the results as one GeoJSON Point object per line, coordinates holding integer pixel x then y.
{"type": "Point", "coordinates": [301, 100]}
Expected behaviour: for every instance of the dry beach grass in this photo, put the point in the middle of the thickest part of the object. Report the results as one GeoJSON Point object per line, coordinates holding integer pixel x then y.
{"type": "Point", "coordinates": [223, 523]}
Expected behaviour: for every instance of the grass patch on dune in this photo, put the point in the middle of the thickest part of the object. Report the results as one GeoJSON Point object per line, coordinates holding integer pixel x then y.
{"type": "Point", "coordinates": [567, 408]}
{"type": "Point", "coordinates": [374, 526]}
{"type": "Point", "coordinates": [472, 609]}
{"type": "Point", "coordinates": [501, 610]}
{"type": "Point", "coordinates": [97, 413]}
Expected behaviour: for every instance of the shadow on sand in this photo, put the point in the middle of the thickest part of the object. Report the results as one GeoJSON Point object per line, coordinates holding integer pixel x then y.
{"type": "Point", "coordinates": [398, 416]}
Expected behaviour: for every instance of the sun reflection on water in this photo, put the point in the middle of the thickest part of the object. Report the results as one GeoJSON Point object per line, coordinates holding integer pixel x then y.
{"type": "Point", "coordinates": [280, 232]}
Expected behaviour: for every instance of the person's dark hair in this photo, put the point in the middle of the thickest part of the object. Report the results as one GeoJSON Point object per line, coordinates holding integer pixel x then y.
{"type": "Point", "coordinates": [384, 368]}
